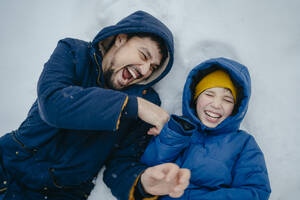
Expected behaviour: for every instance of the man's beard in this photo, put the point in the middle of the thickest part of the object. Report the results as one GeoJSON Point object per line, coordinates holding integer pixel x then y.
{"type": "Point", "coordinates": [107, 75]}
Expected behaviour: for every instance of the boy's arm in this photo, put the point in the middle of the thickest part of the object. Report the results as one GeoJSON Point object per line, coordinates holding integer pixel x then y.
{"type": "Point", "coordinates": [173, 138]}
{"type": "Point", "coordinates": [250, 178]}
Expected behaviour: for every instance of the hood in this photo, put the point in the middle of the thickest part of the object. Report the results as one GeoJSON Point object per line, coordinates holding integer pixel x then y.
{"type": "Point", "coordinates": [241, 78]}
{"type": "Point", "coordinates": [139, 21]}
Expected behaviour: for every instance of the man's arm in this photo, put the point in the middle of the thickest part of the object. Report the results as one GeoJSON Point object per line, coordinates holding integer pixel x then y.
{"type": "Point", "coordinates": [63, 103]}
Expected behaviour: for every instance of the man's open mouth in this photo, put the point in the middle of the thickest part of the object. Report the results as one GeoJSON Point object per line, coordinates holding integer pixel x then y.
{"type": "Point", "coordinates": [130, 73]}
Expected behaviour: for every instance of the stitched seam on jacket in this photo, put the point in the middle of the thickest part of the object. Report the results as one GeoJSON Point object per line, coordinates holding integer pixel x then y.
{"type": "Point", "coordinates": [124, 104]}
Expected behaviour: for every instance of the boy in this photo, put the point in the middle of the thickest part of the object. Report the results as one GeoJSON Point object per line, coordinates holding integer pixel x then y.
{"type": "Point", "coordinates": [225, 162]}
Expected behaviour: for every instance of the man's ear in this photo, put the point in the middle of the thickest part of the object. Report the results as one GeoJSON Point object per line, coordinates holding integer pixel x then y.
{"type": "Point", "coordinates": [120, 39]}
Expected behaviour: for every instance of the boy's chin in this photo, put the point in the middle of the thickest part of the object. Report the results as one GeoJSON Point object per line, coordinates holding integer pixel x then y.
{"type": "Point", "coordinates": [210, 124]}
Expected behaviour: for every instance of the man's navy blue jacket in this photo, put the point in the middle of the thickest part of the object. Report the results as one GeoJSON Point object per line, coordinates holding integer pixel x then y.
{"type": "Point", "coordinates": [225, 162]}
{"type": "Point", "coordinates": [76, 123]}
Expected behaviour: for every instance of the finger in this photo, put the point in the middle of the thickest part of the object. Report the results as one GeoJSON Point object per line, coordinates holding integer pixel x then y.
{"type": "Point", "coordinates": [150, 132]}
{"type": "Point", "coordinates": [162, 170]}
{"type": "Point", "coordinates": [172, 173]}
{"type": "Point", "coordinates": [158, 130]}
{"type": "Point", "coordinates": [183, 180]}
{"type": "Point", "coordinates": [176, 194]}
{"type": "Point", "coordinates": [184, 175]}
{"type": "Point", "coordinates": [153, 131]}
{"type": "Point", "coordinates": [156, 173]}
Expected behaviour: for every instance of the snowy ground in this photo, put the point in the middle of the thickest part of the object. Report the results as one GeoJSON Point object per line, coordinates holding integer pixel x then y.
{"type": "Point", "coordinates": [262, 34]}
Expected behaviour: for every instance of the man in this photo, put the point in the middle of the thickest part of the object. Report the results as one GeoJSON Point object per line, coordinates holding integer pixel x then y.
{"type": "Point", "coordinates": [89, 98]}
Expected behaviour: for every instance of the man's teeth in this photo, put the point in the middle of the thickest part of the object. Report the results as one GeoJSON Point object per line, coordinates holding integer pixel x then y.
{"type": "Point", "coordinates": [213, 115]}
{"type": "Point", "coordinates": [132, 72]}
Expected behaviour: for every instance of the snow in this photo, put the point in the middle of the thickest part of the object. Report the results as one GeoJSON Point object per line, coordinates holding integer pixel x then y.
{"type": "Point", "coordinates": [262, 34]}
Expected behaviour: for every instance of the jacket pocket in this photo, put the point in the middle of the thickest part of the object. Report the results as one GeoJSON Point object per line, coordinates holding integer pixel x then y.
{"type": "Point", "coordinates": [19, 162]}
{"type": "Point", "coordinates": [15, 154]}
{"type": "Point", "coordinates": [68, 178]}
{"type": "Point", "coordinates": [18, 149]}
{"type": "Point", "coordinates": [71, 182]}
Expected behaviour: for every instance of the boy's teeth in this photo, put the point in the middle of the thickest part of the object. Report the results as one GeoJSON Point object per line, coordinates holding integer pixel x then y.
{"type": "Point", "coordinates": [132, 72]}
{"type": "Point", "coordinates": [214, 115]}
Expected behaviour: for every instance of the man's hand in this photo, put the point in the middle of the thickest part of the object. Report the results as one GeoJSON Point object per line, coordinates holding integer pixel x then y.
{"type": "Point", "coordinates": [153, 115]}
{"type": "Point", "coordinates": [166, 179]}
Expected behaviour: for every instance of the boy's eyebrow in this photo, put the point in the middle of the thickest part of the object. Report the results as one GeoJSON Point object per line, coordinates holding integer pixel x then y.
{"type": "Point", "coordinates": [207, 90]}
{"type": "Point", "coordinates": [229, 96]}
{"type": "Point", "coordinates": [229, 92]}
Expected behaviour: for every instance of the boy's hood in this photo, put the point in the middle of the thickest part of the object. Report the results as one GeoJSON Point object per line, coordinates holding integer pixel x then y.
{"type": "Point", "coordinates": [139, 21]}
{"type": "Point", "coordinates": [239, 74]}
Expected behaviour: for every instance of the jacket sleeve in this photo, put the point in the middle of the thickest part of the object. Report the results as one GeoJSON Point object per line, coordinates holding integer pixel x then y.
{"type": "Point", "coordinates": [250, 178]}
{"type": "Point", "coordinates": [63, 103]}
{"type": "Point", "coordinates": [124, 167]}
{"type": "Point", "coordinates": [173, 138]}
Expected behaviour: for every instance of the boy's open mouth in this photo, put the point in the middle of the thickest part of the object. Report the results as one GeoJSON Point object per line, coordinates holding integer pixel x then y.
{"type": "Point", "coordinates": [212, 114]}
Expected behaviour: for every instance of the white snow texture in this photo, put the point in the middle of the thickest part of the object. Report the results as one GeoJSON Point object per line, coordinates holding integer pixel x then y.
{"type": "Point", "coordinates": [264, 35]}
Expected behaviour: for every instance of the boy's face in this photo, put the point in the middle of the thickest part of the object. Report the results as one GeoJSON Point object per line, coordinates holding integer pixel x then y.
{"type": "Point", "coordinates": [130, 61]}
{"type": "Point", "coordinates": [214, 105]}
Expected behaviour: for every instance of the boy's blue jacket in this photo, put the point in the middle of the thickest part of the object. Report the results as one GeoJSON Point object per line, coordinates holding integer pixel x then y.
{"type": "Point", "coordinates": [76, 123]}
{"type": "Point", "coordinates": [225, 162]}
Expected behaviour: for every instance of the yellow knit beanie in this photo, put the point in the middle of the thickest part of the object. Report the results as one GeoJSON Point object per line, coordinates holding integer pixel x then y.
{"type": "Point", "coordinates": [218, 78]}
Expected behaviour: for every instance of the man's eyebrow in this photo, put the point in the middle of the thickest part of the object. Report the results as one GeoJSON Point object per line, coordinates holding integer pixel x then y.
{"type": "Point", "coordinates": [147, 52]}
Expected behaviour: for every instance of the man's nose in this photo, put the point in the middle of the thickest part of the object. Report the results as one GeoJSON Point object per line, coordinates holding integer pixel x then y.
{"type": "Point", "coordinates": [145, 68]}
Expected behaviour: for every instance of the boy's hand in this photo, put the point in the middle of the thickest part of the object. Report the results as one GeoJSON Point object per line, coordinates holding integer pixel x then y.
{"type": "Point", "coordinates": [153, 115]}
{"type": "Point", "coordinates": [166, 179]}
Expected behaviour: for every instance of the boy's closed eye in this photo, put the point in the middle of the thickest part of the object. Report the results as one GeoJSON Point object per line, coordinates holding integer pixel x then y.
{"type": "Point", "coordinates": [209, 93]}
{"type": "Point", "coordinates": [229, 100]}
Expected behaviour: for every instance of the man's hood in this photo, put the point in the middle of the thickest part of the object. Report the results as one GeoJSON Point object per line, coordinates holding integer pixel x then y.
{"type": "Point", "coordinates": [139, 21]}
{"type": "Point", "coordinates": [241, 78]}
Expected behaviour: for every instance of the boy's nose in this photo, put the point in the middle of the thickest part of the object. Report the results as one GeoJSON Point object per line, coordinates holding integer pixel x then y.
{"type": "Point", "coordinates": [216, 103]}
